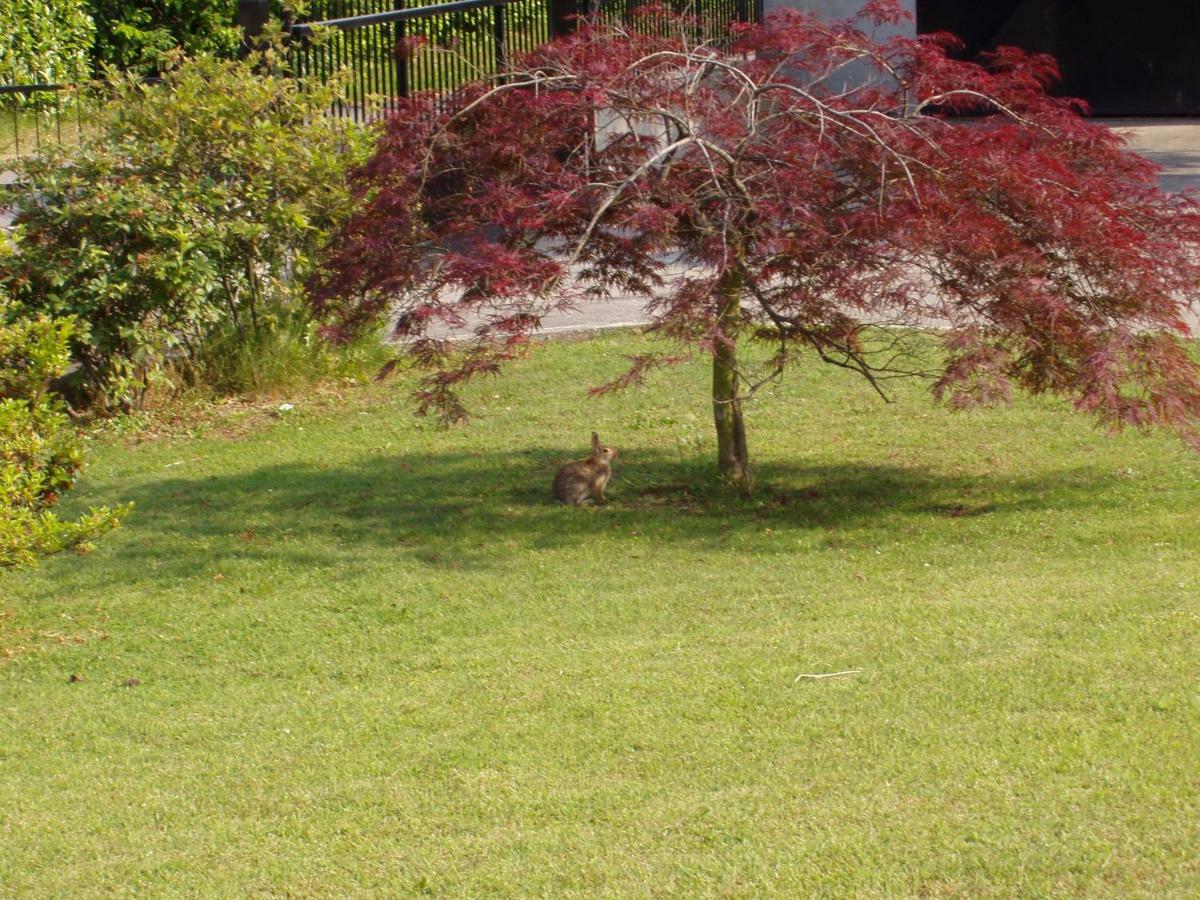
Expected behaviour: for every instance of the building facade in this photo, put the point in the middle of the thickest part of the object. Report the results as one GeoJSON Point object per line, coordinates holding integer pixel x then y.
{"type": "Point", "coordinates": [1125, 59]}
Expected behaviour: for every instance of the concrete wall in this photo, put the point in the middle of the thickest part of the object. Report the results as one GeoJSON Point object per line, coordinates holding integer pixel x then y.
{"type": "Point", "coordinates": [835, 9]}
{"type": "Point", "coordinates": [856, 73]}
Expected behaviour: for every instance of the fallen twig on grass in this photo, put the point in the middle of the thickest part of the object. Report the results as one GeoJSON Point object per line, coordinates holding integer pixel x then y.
{"type": "Point", "coordinates": [828, 674]}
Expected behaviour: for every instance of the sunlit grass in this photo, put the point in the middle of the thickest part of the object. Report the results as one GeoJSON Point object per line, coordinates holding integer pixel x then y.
{"type": "Point", "coordinates": [25, 130]}
{"type": "Point", "coordinates": [373, 658]}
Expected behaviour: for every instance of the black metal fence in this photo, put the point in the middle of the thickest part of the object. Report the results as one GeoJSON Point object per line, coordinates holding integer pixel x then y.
{"type": "Point", "coordinates": [388, 52]}
{"type": "Point", "coordinates": [383, 50]}
{"type": "Point", "coordinates": [32, 115]}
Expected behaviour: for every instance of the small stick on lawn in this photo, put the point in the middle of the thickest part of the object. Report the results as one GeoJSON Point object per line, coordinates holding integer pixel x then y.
{"type": "Point", "coordinates": [829, 674]}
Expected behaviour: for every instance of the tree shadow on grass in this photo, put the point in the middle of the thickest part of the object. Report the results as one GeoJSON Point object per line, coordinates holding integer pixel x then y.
{"type": "Point", "coordinates": [450, 510]}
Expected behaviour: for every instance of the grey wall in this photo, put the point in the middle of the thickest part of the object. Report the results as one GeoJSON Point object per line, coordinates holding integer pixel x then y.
{"type": "Point", "coordinates": [858, 72]}
{"type": "Point", "coordinates": [835, 9]}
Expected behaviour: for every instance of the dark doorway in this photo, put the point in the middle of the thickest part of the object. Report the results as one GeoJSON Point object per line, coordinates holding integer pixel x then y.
{"type": "Point", "coordinates": [1125, 57]}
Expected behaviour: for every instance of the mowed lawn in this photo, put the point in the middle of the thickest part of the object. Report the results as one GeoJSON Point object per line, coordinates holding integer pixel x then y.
{"type": "Point", "coordinates": [370, 657]}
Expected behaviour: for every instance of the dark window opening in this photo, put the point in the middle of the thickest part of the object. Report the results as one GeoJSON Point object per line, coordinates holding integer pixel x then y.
{"type": "Point", "coordinates": [1124, 58]}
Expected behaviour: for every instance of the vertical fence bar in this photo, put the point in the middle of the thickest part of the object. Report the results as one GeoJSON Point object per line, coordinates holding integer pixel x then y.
{"type": "Point", "coordinates": [370, 62]}
{"type": "Point", "coordinates": [374, 60]}
{"type": "Point", "coordinates": [480, 54]}
{"type": "Point", "coordinates": [402, 55]}
{"type": "Point", "coordinates": [443, 65]}
{"type": "Point", "coordinates": [387, 59]}
{"type": "Point", "coordinates": [326, 52]}
{"type": "Point", "coordinates": [349, 71]}
{"type": "Point", "coordinates": [419, 64]}
{"type": "Point", "coordinates": [450, 38]}
{"type": "Point", "coordinates": [339, 67]}
{"type": "Point", "coordinates": [564, 16]}
{"type": "Point", "coordinates": [500, 36]}
{"type": "Point", "coordinates": [437, 75]}
{"type": "Point", "coordinates": [460, 44]}
{"type": "Point", "coordinates": [360, 75]}
{"type": "Point", "coordinates": [252, 18]}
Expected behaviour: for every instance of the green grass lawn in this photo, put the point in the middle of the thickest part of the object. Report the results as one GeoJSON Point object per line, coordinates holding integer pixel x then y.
{"type": "Point", "coordinates": [373, 658]}
{"type": "Point", "coordinates": [24, 132]}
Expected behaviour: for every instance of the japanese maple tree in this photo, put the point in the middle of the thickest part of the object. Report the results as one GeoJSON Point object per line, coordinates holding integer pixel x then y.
{"type": "Point", "coordinates": [806, 184]}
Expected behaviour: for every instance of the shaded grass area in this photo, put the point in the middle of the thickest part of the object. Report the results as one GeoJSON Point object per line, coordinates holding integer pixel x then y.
{"type": "Point", "coordinates": [372, 657]}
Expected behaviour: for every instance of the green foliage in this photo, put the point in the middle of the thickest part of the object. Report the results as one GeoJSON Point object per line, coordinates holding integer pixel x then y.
{"type": "Point", "coordinates": [137, 35]}
{"type": "Point", "coordinates": [44, 42]}
{"type": "Point", "coordinates": [192, 213]}
{"type": "Point", "coordinates": [288, 354]}
{"type": "Point", "coordinates": [40, 452]}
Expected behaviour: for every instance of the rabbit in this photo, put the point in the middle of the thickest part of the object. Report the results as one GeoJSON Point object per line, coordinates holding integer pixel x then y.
{"type": "Point", "coordinates": [577, 481]}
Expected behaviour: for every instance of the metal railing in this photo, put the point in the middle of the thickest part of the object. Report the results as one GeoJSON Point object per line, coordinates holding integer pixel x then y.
{"type": "Point", "coordinates": [389, 53]}
{"type": "Point", "coordinates": [382, 50]}
{"type": "Point", "coordinates": [34, 115]}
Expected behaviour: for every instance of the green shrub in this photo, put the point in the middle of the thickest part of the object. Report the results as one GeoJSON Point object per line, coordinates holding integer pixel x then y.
{"type": "Point", "coordinates": [44, 42]}
{"type": "Point", "coordinates": [289, 354]}
{"type": "Point", "coordinates": [191, 215]}
{"type": "Point", "coordinates": [136, 35]}
{"type": "Point", "coordinates": [40, 452]}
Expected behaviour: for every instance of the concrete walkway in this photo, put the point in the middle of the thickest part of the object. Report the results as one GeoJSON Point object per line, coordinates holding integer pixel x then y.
{"type": "Point", "coordinates": [1172, 143]}
{"type": "Point", "coordinates": [7, 179]}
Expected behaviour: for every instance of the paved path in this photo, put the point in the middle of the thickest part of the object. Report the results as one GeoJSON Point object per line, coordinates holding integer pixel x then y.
{"type": "Point", "coordinates": [7, 177]}
{"type": "Point", "coordinates": [1172, 143]}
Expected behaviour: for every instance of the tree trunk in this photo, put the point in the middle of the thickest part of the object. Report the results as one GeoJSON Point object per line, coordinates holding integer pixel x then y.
{"type": "Point", "coordinates": [733, 459]}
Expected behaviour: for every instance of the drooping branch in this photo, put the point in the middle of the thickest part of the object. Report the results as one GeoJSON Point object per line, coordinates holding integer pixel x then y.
{"type": "Point", "coordinates": [861, 222]}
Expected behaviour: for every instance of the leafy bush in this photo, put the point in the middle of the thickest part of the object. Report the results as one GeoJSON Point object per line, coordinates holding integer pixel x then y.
{"type": "Point", "coordinates": [292, 353]}
{"type": "Point", "coordinates": [44, 42]}
{"type": "Point", "coordinates": [192, 215]}
{"type": "Point", "coordinates": [137, 35]}
{"type": "Point", "coordinates": [40, 452]}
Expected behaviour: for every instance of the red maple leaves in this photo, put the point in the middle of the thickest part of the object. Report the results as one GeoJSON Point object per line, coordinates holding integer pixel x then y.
{"type": "Point", "coordinates": [862, 195]}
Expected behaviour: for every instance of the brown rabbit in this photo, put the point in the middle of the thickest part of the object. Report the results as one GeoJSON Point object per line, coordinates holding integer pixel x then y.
{"type": "Point", "coordinates": [577, 481]}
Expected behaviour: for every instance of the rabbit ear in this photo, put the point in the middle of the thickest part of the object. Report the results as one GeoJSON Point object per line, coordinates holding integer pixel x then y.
{"type": "Point", "coordinates": [595, 441]}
